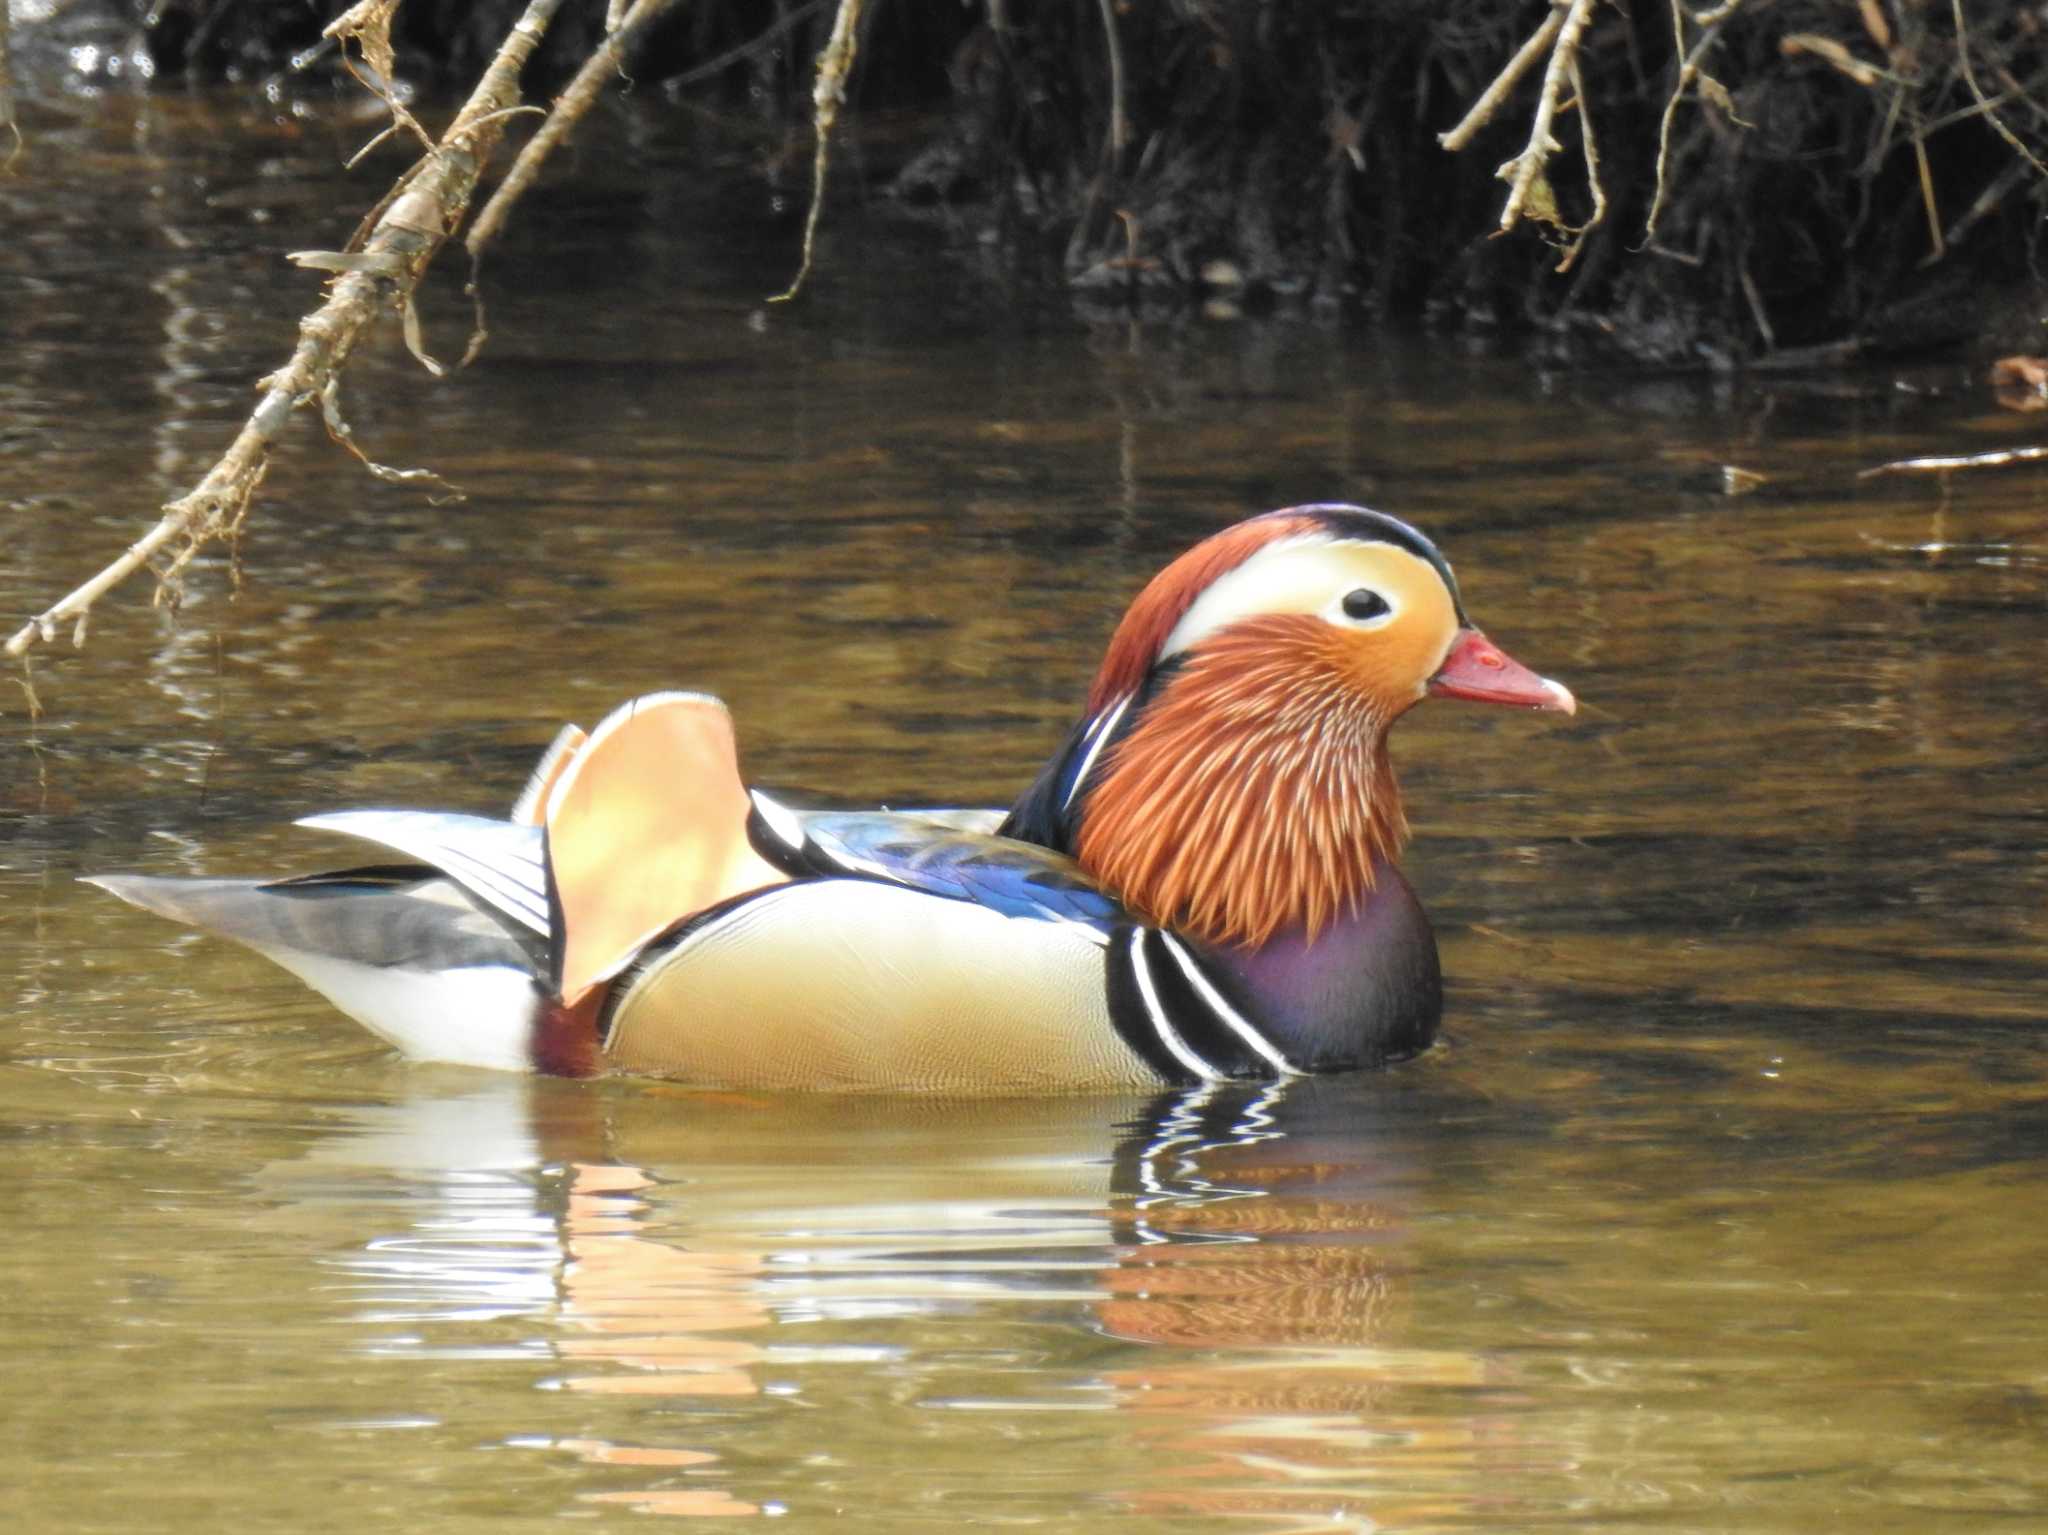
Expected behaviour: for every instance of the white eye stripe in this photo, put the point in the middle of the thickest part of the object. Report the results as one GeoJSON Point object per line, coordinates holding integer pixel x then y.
{"type": "Point", "coordinates": [1309, 574]}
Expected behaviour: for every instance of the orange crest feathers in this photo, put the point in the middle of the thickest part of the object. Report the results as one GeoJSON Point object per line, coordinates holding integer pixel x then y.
{"type": "Point", "coordinates": [1164, 602]}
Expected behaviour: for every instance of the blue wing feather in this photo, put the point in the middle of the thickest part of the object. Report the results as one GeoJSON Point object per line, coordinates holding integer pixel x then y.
{"type": "Point", "coordinates": [1018, 879]}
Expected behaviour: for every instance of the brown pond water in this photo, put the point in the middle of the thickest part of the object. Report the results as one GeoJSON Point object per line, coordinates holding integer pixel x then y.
{"type": "Point", "coordinates": [1721, 1207]}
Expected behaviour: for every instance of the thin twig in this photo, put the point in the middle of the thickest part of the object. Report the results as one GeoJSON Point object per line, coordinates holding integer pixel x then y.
{"type": "Point", "coordinates": [1119, 125]}
{"type": "Point", "coordinates": [1996, 460]}
{"type": "Point", "coordinates": [1527, 165]}
{"type": "Point", "coordinates": [1755, 297]}
{"type": "Point", "coordinates": [835, 63]}
{"type": "Point", "coordinates": [569, 110]}
{"type": "Point", "coordinates": [1970, 78]}
{"type": "Point", "coordinates": [1838, 58]}
{"type": "Point", "coordinates": [1987, 202]}
{"type": "Point", "coordinates": [716, 65]}
{"type": "Point", "coordinates": [368, 22]}
{"type": "Point", "coordinates": [1490, 99]}
{"type": "Point", "coordinates": [395, 255]}
{"type": "Point", "coordinates": [1927, 201]}
{"type": "Point", "coordinates": [1688, 72]}
{"type": "Point", "coordinates": [1592, 175]}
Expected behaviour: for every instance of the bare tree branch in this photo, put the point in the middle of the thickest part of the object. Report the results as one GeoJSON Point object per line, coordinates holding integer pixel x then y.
{"type": "Point", "coordinates": [1521, 172]}
{"type": "Point", "coordinates": [1976, 90]}
{"type": "Point", "coordinates": [1503, 83]}
{"type": "Point", "coordinates": [1688, 73]}
{"type": "Point", "coordinates": [835, 63]}
{"type": "Point", "coordinates": [382, 270]}
{"type": "Point", "coordinates": [569, 109]}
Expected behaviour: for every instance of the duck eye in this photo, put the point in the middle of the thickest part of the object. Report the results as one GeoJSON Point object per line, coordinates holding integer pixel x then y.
{"type": "Point", "coordinates": [1365, 603]}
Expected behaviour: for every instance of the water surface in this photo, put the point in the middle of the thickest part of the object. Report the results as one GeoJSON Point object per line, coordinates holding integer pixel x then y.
{"type": "Point", "coordinates": [1718, 1208]}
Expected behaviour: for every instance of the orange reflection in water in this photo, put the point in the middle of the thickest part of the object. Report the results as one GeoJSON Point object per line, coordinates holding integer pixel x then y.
{"type": "Point", "coordinates": [652, 1307]}
{"type": "Point", "coordinates": [1275, 1291]}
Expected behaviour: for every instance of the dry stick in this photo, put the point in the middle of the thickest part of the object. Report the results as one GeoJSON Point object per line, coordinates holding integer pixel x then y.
{"type": "Point", "coordinates": [1987, 202]}
{"type": "Point", "coordinates": [1688, 71]}
{"type": "Point", "coordinates": [569, 110]}
{"type": "Point", "coordinates": [1489, 101]}
{"type": "Point", "coordinates": [1927, 201]}
{"type": "Point", "coordinates": [368, 22]}
{"type": "Point", "coordinates": [1995, 460]}
{"type": "Point", "coordinates": [1119, 124]}
{"type": "Point", "coordinates": [1970, 77]}
{"type": "Point", "coordinates": [834, 64]}
{"type": "Point", "coordinates": [411, 229]}
{"type": "Point", "coordinates": [1541, 145]}
{"type": "Point", "coordinates": [1592, 153]}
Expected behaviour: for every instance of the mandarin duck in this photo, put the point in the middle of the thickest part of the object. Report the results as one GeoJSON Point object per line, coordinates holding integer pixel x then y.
{"type": "Point", "coordinates": [1201, 884]}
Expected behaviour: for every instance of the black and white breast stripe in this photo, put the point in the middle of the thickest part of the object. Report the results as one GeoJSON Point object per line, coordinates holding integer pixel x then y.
{"type": "Point", "coordinates": [1174, 1015]}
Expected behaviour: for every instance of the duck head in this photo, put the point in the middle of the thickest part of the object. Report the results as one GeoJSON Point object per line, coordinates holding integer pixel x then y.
{"type": "Point", "coordinates": [1230, 778]}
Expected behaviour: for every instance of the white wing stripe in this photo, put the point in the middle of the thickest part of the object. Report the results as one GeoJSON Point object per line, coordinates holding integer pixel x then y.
{"type": "Point", "coordinates": [1235, 1021]}
{"type": "Point", "coordinates": [1168, 1035]}
{"type": "Point", "coordinates": [513, 897]}
{"type": "Point", "coordinates": [496, 860]}
{"type": "Point", "coordinates": [1099, 732]}
{"type": "Point", "coordinates": [785, 823]}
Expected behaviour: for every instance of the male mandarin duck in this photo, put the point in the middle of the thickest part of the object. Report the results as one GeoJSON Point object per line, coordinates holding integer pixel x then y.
{"type": "Point", "coordinates": [1202, 883]}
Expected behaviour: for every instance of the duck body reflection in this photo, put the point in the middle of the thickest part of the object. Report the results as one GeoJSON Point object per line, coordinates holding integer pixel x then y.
{"type": "Point", "coordinates": [688, 1272]}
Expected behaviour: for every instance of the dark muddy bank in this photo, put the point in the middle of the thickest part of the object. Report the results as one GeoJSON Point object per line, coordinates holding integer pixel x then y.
{"type": "Point", "coordinates": [1763, 179]}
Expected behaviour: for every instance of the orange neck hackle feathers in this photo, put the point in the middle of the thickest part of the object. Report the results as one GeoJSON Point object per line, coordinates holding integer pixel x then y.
{"type": "Point", "coordinates": [1155, 611]}
{"type": "Point", "coordinates": [1254, 796]}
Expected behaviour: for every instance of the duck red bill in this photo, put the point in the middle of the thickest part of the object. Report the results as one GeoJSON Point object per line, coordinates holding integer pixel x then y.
{"type": "Point", "coordinates": [1480, 670]}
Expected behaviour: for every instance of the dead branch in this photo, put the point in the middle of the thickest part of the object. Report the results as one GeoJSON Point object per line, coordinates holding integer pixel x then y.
{"type": "Point", "coordinates": [1990, 114]}
{"type": "Point", "coordinates": [1559, 35]}
{"type": "Point", "coordinates": [1996, 460]}
{"type": "Point", "coordinates": [1592, 154]}
{"type": "Point", "coordinates": [415, 220]}
{"type": "Point", "coordinates": [1119, 124]}
{"type": "Point", "coordinates": [368, 24]}
{"type": "Point", "coordinates": [835, 63]}
{"type": "Point", "coordinates": [1688, 74]}
{"type": "Point", "coordinates": [1490, 99]}
{"type": "Point", "coordinates": [569, 109]}
{"type": "Point", "coordinates": [1836, 56]}
{"type": "Point", "coordinates": [1521, 172]}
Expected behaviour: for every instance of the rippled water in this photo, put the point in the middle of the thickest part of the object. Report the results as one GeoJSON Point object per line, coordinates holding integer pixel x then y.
{"type": "Point", "coordinates": [1720, 1206]}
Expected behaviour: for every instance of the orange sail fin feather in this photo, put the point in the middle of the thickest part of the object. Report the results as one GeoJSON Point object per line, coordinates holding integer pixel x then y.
{"type": "Point", "coordinates": [646, 825]}
{"type": "Point", "coordinates": [1256, 796]}
{"type": "Point", "coordinates": [531, 808]}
